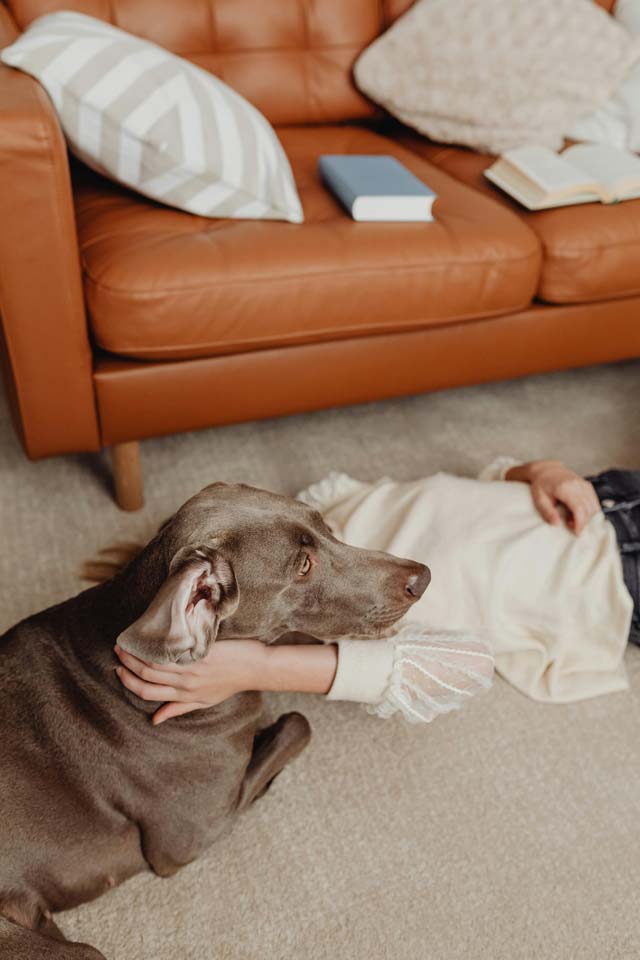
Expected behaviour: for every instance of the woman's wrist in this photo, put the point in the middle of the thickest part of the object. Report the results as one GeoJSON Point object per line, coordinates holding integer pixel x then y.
{"type": "Point", "coordinates": [290, 668]}
{"type": "Point", "coordinates": [297, 668]}
{"type": "Point", "coordinates": [520, 473]}
{"type": "Point", "coordinates": [525, 472]}
{"type": "Point", "coordinates": [243, 662]}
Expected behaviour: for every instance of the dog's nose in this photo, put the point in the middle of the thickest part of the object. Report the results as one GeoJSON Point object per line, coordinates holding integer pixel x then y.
{"type": "Point", "coordinates": [418, 582]}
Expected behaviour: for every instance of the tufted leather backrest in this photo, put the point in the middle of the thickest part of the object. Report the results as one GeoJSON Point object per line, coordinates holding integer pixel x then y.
{"type": "Point", "coordinates": [291, 58]}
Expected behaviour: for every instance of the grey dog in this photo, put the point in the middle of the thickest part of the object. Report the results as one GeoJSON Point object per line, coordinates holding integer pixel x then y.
{"type": "Point", "coordinates": [91, 793]}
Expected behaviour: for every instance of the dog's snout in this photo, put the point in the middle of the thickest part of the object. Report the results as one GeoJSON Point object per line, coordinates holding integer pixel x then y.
{"type": "Point", "coordinates": [417, 582]}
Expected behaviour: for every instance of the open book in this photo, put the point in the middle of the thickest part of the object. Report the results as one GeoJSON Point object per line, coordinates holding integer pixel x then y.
{"type": "Point", "coordinates": [538, 178]}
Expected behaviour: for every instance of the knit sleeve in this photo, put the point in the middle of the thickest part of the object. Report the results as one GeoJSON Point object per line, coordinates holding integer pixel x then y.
{"type": "Point", "coordinates": [416, 673]}
{"type": "Point", "coordinates": [330, 490]}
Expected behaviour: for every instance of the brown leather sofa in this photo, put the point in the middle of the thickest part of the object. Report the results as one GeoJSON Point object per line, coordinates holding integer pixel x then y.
{"type": "Point", "coordinates": [123, 319]}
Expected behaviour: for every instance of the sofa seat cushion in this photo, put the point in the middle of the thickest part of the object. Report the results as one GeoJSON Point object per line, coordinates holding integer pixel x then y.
{"type": "Point", "coordinates": [164, 284]}
{"type": "Point", "coordinates": [590, 251]}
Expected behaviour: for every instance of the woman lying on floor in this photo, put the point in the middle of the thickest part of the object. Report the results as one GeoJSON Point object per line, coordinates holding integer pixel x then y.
{"type": "Point", "coordinates": [542, 574]}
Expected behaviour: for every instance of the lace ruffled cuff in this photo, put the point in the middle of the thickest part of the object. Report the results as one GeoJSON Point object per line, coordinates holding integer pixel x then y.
{"type": "Point", "coordinates": [414, 672]}
{"type": "Point", "coordinates": [434, 673]}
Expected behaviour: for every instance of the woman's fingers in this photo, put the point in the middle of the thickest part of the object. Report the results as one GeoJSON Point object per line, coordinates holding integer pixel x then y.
{"type": "Point", "coordinates": [546, 506]}
{"type": "Point", "coordinates": [155, 691]}
{"type": "Point", "coordinates": [583, 504]}
{"type": "Point", "coordinates": [144, 690]}
{"type": "Point", "coordinates": [554, 485]}
{"type": "Point", "coordinates": [584, 515]}
{"type": "Point", "coordinates": [592, 500]}
{"type": "Point", "coordinates": [169, 710]}
{"type": "Point", "coordinates": [151, 672]}
{"type": "Point", "coordinates": [578, 519]}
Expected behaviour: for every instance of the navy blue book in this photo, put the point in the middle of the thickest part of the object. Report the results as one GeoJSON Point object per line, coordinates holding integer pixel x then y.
{"type": "Point", "coordinates": [376, 187]}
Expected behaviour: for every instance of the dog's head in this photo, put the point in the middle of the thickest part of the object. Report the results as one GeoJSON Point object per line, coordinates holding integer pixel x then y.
{"type": "Point", "coordinates": [244, 563]}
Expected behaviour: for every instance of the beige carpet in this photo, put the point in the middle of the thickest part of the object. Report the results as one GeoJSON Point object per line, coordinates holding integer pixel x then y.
{"type": "Point", "coordinates": [510, 831]}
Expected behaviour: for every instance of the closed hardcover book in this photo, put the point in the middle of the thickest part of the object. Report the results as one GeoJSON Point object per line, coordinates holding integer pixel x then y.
{"type": "Point", "coordinates": [376, 188]}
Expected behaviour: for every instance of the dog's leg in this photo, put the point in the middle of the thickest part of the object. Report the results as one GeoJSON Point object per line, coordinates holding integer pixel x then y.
{"type": "Point", "coordinates": [45, 943]}
{"type": "Point", "coordinates": [273, 748]}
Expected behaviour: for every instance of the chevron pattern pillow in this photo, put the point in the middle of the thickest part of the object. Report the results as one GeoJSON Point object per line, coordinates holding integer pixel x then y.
{"type": "Point", "coordinates": [155, 122]}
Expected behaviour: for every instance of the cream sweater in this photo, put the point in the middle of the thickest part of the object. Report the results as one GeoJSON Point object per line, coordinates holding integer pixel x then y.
{"type": "Point", "coordinates": [551, 607]}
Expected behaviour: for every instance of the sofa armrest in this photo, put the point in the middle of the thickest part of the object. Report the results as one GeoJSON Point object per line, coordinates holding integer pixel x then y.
{"type": "Point", "coordinates": [46, 354]}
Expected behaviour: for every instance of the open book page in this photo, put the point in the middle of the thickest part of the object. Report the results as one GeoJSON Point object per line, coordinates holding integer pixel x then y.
{"type": "Point", "coordinates": [549, 171]}
{"type": "Point", "coordinates": [538, 178]}
{"type": "Point", "coordinates": [617, 170]}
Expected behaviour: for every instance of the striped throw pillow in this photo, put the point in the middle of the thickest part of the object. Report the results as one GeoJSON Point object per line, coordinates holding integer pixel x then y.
{"type": "Point", "coordinates": [155, 122]}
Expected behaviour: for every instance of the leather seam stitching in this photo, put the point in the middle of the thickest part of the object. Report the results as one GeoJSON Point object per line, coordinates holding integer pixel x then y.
{"type": "Point", "coordinates": [568, 252]}
{"type": "Point", "coordinates": [580, 300]}
{"type": "Point", "coordinates": [321, 274]}
{"type": "Point", "coordinates": [351, 333]}
{"type": "Point", "coordinates": [257, 50]}
{"type": "Point", "coordinates": [213, 26]}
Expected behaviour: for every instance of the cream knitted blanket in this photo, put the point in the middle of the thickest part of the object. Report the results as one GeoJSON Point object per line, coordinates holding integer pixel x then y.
{"type": "Point", "coordinates": [494, 74]}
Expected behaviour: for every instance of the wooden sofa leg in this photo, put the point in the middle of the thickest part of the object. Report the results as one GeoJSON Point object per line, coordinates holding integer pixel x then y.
{"type": "Point", "coordinates": [127, 475]}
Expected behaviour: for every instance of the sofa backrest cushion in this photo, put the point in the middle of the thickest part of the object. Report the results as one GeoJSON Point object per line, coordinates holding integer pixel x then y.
{"type": "Point", "coordinates": [155, 122]}
{"type": "Point", "coordinates": [291, 58]}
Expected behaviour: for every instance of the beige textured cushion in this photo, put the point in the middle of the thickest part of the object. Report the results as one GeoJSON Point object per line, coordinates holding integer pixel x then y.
{"type": "Point", "coordinates": [158, 124]}
{"type": "Point", "coordinates": [495, 74]}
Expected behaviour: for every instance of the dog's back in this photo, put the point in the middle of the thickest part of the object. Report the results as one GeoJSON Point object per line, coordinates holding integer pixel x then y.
{"type": "Point", "coordinates": [63, 840]}
{"type": "Point", "coordinates": [92, 793]}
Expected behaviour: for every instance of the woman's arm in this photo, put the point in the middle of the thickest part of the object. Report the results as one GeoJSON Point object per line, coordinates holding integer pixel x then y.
{"type": "Point", "coordinates": [230, 667]}
{"type": "Point", "coordinates": [553, 486]}
{"type": "Point", "coordinates": [416, 672]}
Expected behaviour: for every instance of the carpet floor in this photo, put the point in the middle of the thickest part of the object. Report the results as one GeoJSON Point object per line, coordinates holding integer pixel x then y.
{"type": "Point", "coordinates": [509, 831]}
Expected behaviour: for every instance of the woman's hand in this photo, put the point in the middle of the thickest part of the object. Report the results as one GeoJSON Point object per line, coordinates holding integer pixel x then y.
{"type": "Point", "coordinates": [554, 486]}
{"type": "Point", "coordinates": [230, 667]}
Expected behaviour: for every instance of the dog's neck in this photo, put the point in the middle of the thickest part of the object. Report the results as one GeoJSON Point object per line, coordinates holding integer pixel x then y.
{"type": "Point", "coordinates": [103, 612]}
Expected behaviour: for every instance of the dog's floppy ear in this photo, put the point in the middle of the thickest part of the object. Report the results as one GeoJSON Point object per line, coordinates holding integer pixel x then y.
{"type": "Point", "coordinates": [183, 619]}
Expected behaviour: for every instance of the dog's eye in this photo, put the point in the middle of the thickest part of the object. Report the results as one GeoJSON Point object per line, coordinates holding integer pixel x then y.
{"type": "Point", "coordinates": [305, 566]}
